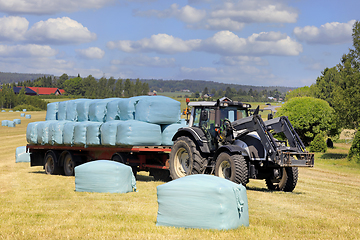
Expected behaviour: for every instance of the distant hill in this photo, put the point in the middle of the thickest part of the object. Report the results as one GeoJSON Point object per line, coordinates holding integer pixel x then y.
{"type": "Point", "coordinates": [158, 84]}
{"type": "Point", "coordinates": [6, 77]}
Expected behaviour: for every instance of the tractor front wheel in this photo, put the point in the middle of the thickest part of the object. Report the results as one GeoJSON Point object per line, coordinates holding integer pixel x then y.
{"type": "Point", "coordinates": [283, 179]}
{"type": "Point", "coordinates": [232, 167]}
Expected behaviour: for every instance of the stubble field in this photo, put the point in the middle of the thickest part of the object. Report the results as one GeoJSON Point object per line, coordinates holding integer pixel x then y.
{"type": "Point", "coordinates": [324, 205]}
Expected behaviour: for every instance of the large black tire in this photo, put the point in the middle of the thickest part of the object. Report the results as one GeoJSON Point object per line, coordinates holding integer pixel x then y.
{"type": "Point", "coordinates": [185, 159]}
{"type": "Point", "coordinates": [232, 167]}
{"type": "Point", "coordinates": [50, 165]}
{"type": "Point", "coordinates": [69, 165]}
{"type": "Point", "coordinates": [286, 179]}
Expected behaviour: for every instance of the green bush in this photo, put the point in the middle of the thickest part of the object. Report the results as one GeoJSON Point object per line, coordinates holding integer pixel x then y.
{"type": "Point", "coordinates": [27, 107]}
{"type": "Point", "coordinates": [318, 144]}
{"type": "Point", "coordinates": [354, 153]}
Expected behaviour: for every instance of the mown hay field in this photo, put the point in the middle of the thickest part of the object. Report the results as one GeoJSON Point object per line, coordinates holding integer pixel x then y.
{"type": "Point", "coordinates": [324, 205]}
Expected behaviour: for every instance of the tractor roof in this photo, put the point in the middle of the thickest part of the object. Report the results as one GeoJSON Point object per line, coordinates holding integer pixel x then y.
{"type": "Point", "coordinates": [222, 102]}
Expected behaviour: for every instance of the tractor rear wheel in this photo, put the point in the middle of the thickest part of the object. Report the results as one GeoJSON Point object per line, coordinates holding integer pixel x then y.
{"type": "Point", "coordinates": [232, 167]}
{"type": "Point", "coordinates": [185, 159]}
{"type": "Point", "coordinates": [283, 179]}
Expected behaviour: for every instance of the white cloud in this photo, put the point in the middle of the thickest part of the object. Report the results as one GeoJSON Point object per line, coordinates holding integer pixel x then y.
{"type": "Point", "coordinates": [91, 53]}
{"type": "Point", "coordinates": [186, 14]}
{"type": "Point", "coordinates": [227, 43]}
{"type": "Point", "coordinates": [242, 60]}
{"type": "Point", "coordinates": [220, 24]}
{"type": "Point", "coordinates": [161, 43]}
{"type": "Point", "coordinates": [329, 33]}
{"type": "Point", "coordinates": [41, 7]}
{"type": "Point", "coordinates": [25, 51]}
{"type": "Point", "coordinates": [13, 28]}
{"type": "Point", "coordinates": [146, 61]}
{"type": "Point", "coordinates": [60, 31]}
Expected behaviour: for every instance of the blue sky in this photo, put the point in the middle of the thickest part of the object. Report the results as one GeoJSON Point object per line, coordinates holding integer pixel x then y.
{"type": "Point", "coordinates": [262, 42]}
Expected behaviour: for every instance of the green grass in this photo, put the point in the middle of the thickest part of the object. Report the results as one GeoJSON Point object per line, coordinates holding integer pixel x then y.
{"type": "Point", "coordinates": [324, 205]}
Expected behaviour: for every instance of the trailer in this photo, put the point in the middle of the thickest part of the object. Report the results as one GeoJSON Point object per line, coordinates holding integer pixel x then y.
{"type": "Point", "coordinates": [62, 159]}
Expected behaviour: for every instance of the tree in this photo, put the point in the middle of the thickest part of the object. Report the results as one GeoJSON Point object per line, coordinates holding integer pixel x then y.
{"type": "Point", "coordinates": [301, 92]}
{"type": "Point", "coordinates": [128, 88]}
{"type": "Point", "coordinates": [119, 88]}
{"type": "Point", "coordinates": [73, 86]}
{"type": "Point", "coordinates": [206, 91]}
{"type": "Point", "coordinates": [310, 116]}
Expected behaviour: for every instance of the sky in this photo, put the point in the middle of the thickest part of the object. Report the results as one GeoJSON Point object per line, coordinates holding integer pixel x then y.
{"type": "Point", "coordinates": [261, 43]}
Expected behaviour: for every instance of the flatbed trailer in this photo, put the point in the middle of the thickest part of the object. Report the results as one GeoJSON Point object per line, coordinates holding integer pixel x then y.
{"type": "Point", "coordinates": [62, 159]}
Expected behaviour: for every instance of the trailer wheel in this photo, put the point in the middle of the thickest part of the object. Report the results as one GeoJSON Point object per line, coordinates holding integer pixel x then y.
{"type": "Point", "coordinates": [232, 167]}
{"type": "Point", "coordinates": [185, 159]}
{"type": "Point", "coordinates": [284, 179]}
{"type": "Point", "coordinates": [69, 165]}
{"type": "Point", "coordinates": [51, 166]}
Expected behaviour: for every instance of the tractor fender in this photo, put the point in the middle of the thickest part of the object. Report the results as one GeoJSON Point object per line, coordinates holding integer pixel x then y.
{"type": "Point", "coordinates": [252, 145]}
{"type": "Point", "coordinates": [231, 149]}
{"type": "Point", "coordinates": [196, 134]}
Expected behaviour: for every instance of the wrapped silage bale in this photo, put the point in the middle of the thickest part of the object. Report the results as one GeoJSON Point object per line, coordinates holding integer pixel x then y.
{"type": "Point", "coordinates": [56, 130]}
{"type": "Point", "coordinates": [11, 124]}
{"type": "Point", "coordinates": [28, 116]}
{"type": "Point", "coordinates": [112, 110]}
{"type": "Point", "coordinates": [71, 109]}
{"type": "Point", "coordinates": [22, 114]}
{"type": "Point", "coordinates": [68, 133]}
{"type": "Point", "coordinates": [11, 111]}
{"type": "Point", "coordinates": [168, 131]}
{"type": "Point", "coordinates": [202, 201]}
{"type": "Point", "coordinates": [17, 111]}
{"type": "Point", "coordinates": [108, 132]}
{"type": "Point", "coordinates": [21, 155]}
{"type": "Point", "coordinates": [62, 110]}
{"type": "Point", "coordinates": [93, 133]}
{"type": "Point", "coordinates": [157, 109]}
{"type": "Point", "coordinates": [17, 121]}
{"type": "Point", "coordinates": [31, 132]}
{"type": "Point", "coordinates": [43, 129]}
{"type": "Point", "coordinates": [104, 176]}
{"type": "Point", "coordinates": [24, 110]}
{"type": "Point", "coordinates": [82, 109]}
{"type": "Point", "coordinates": [132, 132]}
{"type": "Point", "coordinates": [80, 133]}
{"type": "Point", "coordinates": [3, 111]}
{"type": "Point", "coordinates": [52, 111]}
{"type": "Point", "coordinates": [127, 107]}
{"type": "Point", "coordinates": [4, 123]}
{"type": "Point", "coordinates": [97, 110]}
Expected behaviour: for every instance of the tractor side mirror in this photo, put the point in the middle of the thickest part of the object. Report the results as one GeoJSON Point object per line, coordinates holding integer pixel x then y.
{"type": "Point", "coordinates": [204, 116]}
{"type": "Point", "coordinates": [270, 116]}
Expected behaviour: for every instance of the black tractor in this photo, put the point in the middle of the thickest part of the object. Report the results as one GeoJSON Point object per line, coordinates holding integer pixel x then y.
{"type": "Point", "coordinates": [222, 138]}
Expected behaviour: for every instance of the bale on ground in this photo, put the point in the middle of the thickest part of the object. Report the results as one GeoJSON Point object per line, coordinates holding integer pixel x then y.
{"type": "Point", "coordinates": [104, 176]}
{"type": "Point", "coordinates": [21, 155]}
{"type": "Point", "coordinates": [17, 121]}
{"type": "Point", "coordinates": [11, 124]}
{"type": "Point", "coordinates": [28, 116]}
{"type": "Point", "coordinates": [5, 123]}
{"type": "Point", "coordinates": [22, 114]}
{"type": "Point", "coordinates": [202, 201]}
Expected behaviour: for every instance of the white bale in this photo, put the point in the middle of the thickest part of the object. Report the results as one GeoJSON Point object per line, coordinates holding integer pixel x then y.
{"type": "Point", "coordinates": [132, 132]}
{"type": "Point", "coordinates": [52, 111]}
{"type": "Point", "coordinates": [5, 123]}
{"type": "Point", "coordinates": [62, 110]}
{"type": "Point", "coordinates": [127, 107]}
{"type": "Point", "coordinates": [31, 133]}
{"type": "Point", "coordinates": [108, 132]}
{"type": "Point", "coordinates": [21, 155]}
{"type": "Point", "coordinates": [80, 133]}
{"type": "Point", "coordinates": [56, 130]}
{"type": "Point", "coordinates": [68, 133]}
{"type": "Point", "coordinates": [93, 133]}
{"type": "Point", "coordinates": [82, 109]}
{"type": "Point", "coordinates": [17, 121]}
{"type": "Point", "coordinates": [112, 110]}
{"type": "Point", "coordinates": [97, 110]}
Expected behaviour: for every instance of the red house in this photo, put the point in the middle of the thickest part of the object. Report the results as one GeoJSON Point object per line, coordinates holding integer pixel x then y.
{"type": "Point", "coordinates": [47, 91]}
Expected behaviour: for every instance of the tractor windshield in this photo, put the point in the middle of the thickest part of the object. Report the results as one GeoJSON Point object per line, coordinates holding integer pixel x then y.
{"type": "Point", "coordinates": [233, 113]}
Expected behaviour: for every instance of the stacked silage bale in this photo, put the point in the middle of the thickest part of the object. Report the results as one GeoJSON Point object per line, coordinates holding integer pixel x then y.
{"type": "Point", "coordinates": [141, 120]}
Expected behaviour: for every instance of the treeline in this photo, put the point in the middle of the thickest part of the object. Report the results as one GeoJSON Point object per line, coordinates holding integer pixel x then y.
{"type": "Point", "coordinates": [6, 77]}
{"type": "Point", "coordinates": [8, 99]}
{"type": "Point", "coordinates": [241, 95]}
{"type": "Point", "coordinates": [340, 86]}
{"type": "Point", "coordinates": [89, 87]}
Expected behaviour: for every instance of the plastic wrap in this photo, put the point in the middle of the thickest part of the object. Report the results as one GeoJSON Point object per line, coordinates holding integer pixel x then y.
{"type": "Point", "coordinates": [127, 107]}
{"type": "Point", "coordinates": [157, 109]}
{"type": "Point", "coordinates": [43, 129]}
{"type": "Point", "coordinates": [56, 130]}
{"type": "Point", "coordinates": [108, 132]}
{"type": "Point", "coordinates": [93, 133]}
{"type": "Point", "coordinates": [104, 176]}
{"type": "Point", "coordinates": [31, 133]}
{"type": "Point", "coordinates": [168, 131]}
{"type": "Point", "coordinates": [17, 121]}
{"type": "Point", "coordinates": [134, 133]}
{"type": "Point", "coordinates": [62, 110]}
{"type": "Point", "coordinates": [97, 110]}
{"type": "Point", "coordinates": [11, 124]}
{"type": "Point", "coordinates": [4, 123]}
{"type": "Point", "coordinates": [82, 109]}
{"type": "Point", "coordinates": [113, 111]}
{"type": "Point", "coordinates": [28, 116]}
{"type": "Point", "coordinates": [52, 111]}
{"type": "Point", "coordinates": [80, 133]}
{"type": "Point", "coordinates": [22, 114]}
{"type": "Point", "coordinates": [3, 111]}
{"type": "Point", "coordinates": [202, 201]}
{"type": "Point", "coordinates": [68, 133]}
{"type": "Point", "coordinates": [21, 155]}
{"type": "Point", "coordinates": [24, 110]}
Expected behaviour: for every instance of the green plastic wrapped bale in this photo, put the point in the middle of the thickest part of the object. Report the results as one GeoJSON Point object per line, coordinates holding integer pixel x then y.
{"type": "Point", "coordinates": [17, 121]}
{"type": "Point", "coordinates": [52, 111]}
{"type": "Point", "coordinates": [31, 133]}
{"type": "Point", "coordinates": [28, 116]}
{"type": "Point", "coordinates": [5, 123]}
{"type": "Point", "coordinates": [11, 124]}
{"type": "Point", "coordinates": [137, 133]}
{"type": "Point", "coordinates": [21, 155]}
{"type": "Point", "coordinates": [104, 176]}
{"type": "Point", "coordinates": [108, 132]}
{"type": "Point", "coordinates": [93, 134]}
{"type": "Point", "coordinates": [202, 201]}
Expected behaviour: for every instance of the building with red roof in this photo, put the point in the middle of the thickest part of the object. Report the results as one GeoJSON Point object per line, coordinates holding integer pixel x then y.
{"type": "Point", "coordinates": [47, 91]}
